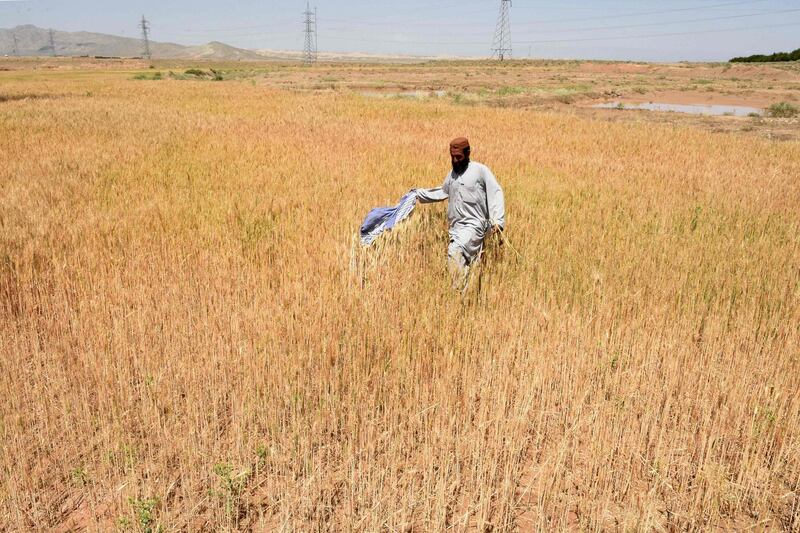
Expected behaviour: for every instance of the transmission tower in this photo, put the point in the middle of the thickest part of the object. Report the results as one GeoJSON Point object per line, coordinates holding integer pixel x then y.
{"type": "Point", "coordinates": [52, 44]}
{"type": "Point", "coordinates": [501, 44]}
{"type": "Point", "coordinates": [16, 48]}
{"type": "Point", "coordinates": [316, 47]}
{"type": "Point", "coordinates": [145, 27]}
{"type": "Point", "coordinates": [310, 23]}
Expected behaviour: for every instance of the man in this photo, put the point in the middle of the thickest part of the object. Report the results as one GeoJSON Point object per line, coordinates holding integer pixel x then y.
{"type": "Point", "coordinates": [476, 206]}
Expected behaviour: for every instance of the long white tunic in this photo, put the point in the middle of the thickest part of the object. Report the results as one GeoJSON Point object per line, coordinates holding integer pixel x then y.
{"type": "Point", "coordinates": [475, 203]}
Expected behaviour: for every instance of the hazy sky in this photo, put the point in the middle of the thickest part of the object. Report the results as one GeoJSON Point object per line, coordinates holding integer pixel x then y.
{"type": "Point", "coordinates": [656, 30]}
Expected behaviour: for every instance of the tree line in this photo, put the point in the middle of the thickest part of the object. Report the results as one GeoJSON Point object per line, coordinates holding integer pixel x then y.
{"type": "Point", "coordinates": [761, 58]}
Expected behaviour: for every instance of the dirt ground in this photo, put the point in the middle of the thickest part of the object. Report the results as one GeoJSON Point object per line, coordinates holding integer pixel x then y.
{"type": "Point", "coordinates": [560, 86]}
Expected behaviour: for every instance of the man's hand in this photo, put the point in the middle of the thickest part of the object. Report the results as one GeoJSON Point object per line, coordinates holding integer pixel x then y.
{"type": "Point", "coordinates": [497, 231]}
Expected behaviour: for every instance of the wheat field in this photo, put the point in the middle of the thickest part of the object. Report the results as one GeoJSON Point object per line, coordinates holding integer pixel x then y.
{"type": "Point", "coordinates": [191, 341]}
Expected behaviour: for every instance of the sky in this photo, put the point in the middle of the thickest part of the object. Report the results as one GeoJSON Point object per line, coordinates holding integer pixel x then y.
{"type": "Point", "coordinates": [643, 30]}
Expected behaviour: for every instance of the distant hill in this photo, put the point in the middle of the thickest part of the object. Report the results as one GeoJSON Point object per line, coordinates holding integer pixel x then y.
{"type": "Point", "coordinates": [33, 41]}
{"type": "Point", "coordinates": [777, 57]}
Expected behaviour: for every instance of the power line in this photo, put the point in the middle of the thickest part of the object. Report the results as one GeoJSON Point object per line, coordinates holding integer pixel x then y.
{"type": "Point", "coordinates": [16, 50]}
{"type": "Point", "coordinates": [310, 23]}
{"type": "Point", "coordinates": [256, 34]}
{"type": "Point", "coordinates": [617, 37]}
{"type": "Point", "coordinates": [501, 44]}
{"type": "Point", "coordinates": [436, 23]}
{"type": "Point", "coordinates": [430, 6]}
{"type": "Point", "coordinates": [356, 22]}
{"type": "Point", "coordinates": [661, 23]}
{"type": "Point", "coordinates": [668, 22]}
{"type": "Point", "coordinates": [616, 27]}
{"type": "Point", "coordinates": [145, 27]}
{"type": "Point", "coordinates": [644, 13]}
{"type": "Point", "coordinates": [236, 28]}
{"type": "Point", "coordinates": [429, 22]}
{"type": "Point", "coordinates": [424, 22]}
{"type": "Point", "coordinates": [517, 24]}
{"type": "Point", "coordinates": [673, 34]}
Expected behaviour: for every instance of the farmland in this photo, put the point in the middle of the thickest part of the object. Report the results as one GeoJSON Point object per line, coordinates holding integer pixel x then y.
{"type": "Point", "coordinates": [192, 340]}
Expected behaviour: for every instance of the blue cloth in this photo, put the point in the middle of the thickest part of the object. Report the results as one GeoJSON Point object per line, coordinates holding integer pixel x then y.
{"type": "Point", "coordinates": [383, 219]}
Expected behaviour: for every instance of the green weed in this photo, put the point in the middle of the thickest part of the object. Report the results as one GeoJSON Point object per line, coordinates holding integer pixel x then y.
{"type": "Point", "coordinates": [230, 489]}
{"type": "Point", "coordinates": [155, 76]}
{"type": "Point", "coordinates": [510, 91]}
{"type": "Point", "coordinates": [783, 110]}
{"type": "Point", "coordinates": [144, 510]}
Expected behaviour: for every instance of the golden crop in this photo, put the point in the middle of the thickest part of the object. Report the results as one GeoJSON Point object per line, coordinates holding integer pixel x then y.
{"type": "Point", "coordinates": [186, 345]}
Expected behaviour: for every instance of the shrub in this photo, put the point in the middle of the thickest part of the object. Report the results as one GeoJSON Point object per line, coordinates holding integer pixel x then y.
{"type": "Point", "coordinates": [783, 110]}
{"type": "Point", "coordinates": [152, 77]}
{"type": "Point", "coordinates": [509, 91]}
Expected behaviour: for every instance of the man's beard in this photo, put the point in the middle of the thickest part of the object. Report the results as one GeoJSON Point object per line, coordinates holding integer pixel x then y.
{"type": "Point", "coordinates": [460, 167]}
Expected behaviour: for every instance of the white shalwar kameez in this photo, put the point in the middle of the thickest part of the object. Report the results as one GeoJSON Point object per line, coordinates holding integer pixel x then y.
{"type": "Point", "coordinates": [475, 204]}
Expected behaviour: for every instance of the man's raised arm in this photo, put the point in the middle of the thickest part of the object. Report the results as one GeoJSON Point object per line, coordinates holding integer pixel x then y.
{"type": "Point", "coordinates": [427, 196]}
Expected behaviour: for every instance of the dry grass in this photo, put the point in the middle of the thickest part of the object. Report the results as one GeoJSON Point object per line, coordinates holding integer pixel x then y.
{"type": "Point", "coordinates": [185, 346]}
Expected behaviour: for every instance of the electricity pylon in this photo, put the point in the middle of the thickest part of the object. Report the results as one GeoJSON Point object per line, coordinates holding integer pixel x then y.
{"type": "Point", "coordinates": [501, 44]}
{"type": "Point", "coordinates": [145, 26]}
{"type": "Point", "coordinates": [52, 44]}
{"type": "Point", "coordinates": [316, 44]}
{"type": "Point", "coordinates": [310, 23]}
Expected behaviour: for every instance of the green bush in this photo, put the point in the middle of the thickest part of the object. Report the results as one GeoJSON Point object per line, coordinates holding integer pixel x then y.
{"type": "Point", "coordinates": [145, 76]}
{"type": "Point", "coordinates": [783, 110]}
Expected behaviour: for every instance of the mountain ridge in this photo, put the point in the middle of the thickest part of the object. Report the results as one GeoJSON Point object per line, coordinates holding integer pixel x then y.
{"type": "Point", "coordinates": [34, 41]}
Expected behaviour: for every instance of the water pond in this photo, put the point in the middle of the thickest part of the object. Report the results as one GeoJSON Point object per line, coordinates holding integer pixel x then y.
{"type": "Point", "coordinates": [718, 110]}
{"type": "Point", "coordinates": [403, 94]}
